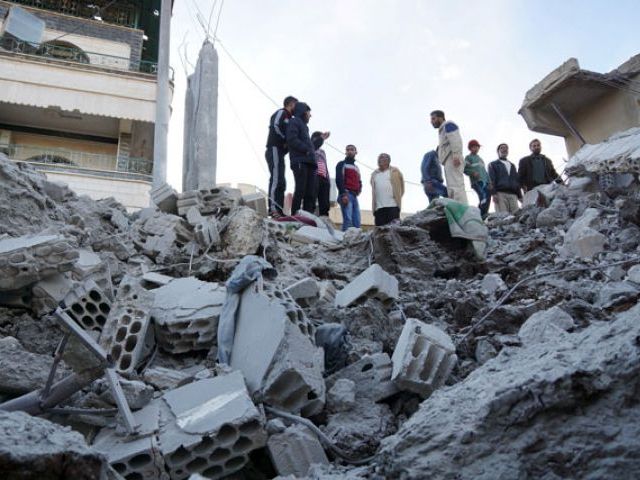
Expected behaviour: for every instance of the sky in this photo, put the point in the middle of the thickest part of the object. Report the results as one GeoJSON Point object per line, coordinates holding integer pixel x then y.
{"type": "Point", "coordinates": [372, 70]}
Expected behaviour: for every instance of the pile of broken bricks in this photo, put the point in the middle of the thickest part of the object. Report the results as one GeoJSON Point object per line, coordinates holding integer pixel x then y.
{"type": "Point", "coordinates": [136, 386]}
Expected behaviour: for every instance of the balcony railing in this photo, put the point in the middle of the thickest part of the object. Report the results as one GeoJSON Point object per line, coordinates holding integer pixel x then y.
{"type": "Point", "coordinates": [77, 55]}
{"type": "Point", "coordinates": [125, 12]}
{"type": "Point", "coordinates": [76, 159]}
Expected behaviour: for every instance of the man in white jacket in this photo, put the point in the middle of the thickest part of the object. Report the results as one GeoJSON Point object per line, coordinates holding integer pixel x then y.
{"type": "Point", "coordinates": [450, 155]}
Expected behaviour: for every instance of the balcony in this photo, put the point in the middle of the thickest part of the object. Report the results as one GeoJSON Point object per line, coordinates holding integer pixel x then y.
{"type": "Point", "coordinates": [58, 159]}
{"type": "Point", "coordinates": [125, 13]}
{"type": "Point", "coordinates": [63, 53]}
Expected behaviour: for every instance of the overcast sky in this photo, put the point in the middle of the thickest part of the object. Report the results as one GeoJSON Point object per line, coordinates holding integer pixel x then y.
{"type": "Point", "coordinates": [373, 70]}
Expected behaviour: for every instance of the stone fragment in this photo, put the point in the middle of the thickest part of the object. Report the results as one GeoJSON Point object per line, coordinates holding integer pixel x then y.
{"type": "Point", "coordinates": [137, 393]}
{"type": "Point", "coordinates": [615, 294]}
{"type": "Point", "coordinates": [281, 365]}
{"type": "Point", "coordinates": [25, 260]}
{"type": "Point", "coordinates": [580, 184]}
{"type": "Point", "coordinates": [545, 326]}
{"type": "Point", "coordinates": [371, 375]}
{"type": "Point", "coordinates": [88, 305]}
{"type": "Point", "coordinates": [90, 266]}
{"type": "Point", "coordinates": [165, 198]}
{"type": "Point", "coordinates": [295, 450]}
{"type": "Point", "coordinates": [35, 448]}
{"type": "Point", "coordinates": [373, 282]}
{"type": "Point", "coordinates": [194, 216]}
{"type": "Point", "coordinates": [423, 358]}
{"type": "Point", "coordinates": [57, 191]}
{"type": "Point", "coordinates": [158, 235]}
{"type": "Point", "coordinates": [215, 427]}
{"type": "Point", "coordinates": [156, 279]}
{"type": "Point", "coordinates": [128, 327]}
{"type": "Point", "coordinates": [342, 395]}
{"type": "Point", "coordinates": [256, 201]}
{"type": "Point", "coordinates": [492, 283]}
{"type": "Point", "coordinates": [244, 233]}
{"type": "Point", "coordinates": [305, 292]}
{"type": "Point", "coordinates": [209, 202]}
{"type": "Point", "coordinates": [207, 232]}
{"type": "Point", "coordinates": [119, 220]}
{"type": "Point", "coordinates": [48, 293]}
{"type": "Point", "coordinates": [165, 378]}
{"type": "Point", "coordinates": [186, 313]}
{"type": "Point", "coordinates": [485, 351]}
{"type": "Point", "coordinates": [581, 240]}
{"type": "Point", "coordinates": [22, 371]}
{"type": "Point", "coordinates": [633, 274]}
{"type": "Point", "coordinates": [308, 234]}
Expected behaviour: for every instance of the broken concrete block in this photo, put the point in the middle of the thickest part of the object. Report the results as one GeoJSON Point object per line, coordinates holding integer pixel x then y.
{"type": "Point", "coordinates": [25, 260]}
{"type": "Point", "coordinates": [186, 313]}
{"type": "Point", "coordinates": [295, 450]}
{"type": "Point", "coordinates": [613, 294]}
{"type": "Point", "coordinates": [57, 191]}
{"type": "Point", "coordinates": [581, 240]}
{"type": "Point", "coordinates": [216, 426]}
{"type": "Point", "coordinates": [373, 282]}
{"type": "Point", "coordinates": [207, 232]}
{"type": "Point", "coordinates": [22, 371]}
{"type": "Point", "coordinates": [194, 216]}
{"type": "Point", "coordinates": [88, 305]}
{"type": "Point", "coordinates": [138, 394]}
{"type": "Point", "coordinates": [423, 358]}
{"type": "Point", "coordinates": [244, 233]}
{"type": "Point", "coordinates": [156, 279]}
{"type": "Point", "coordinates": [485, 351]}
{"type": "Point", "coordinates": [492, 283]}
{"type": "Point", "coordinates": [309, 234]}
{"type": "Point", "coordinates": [342, 395]}
{"type": "Point", "coordinates": [159, 235]}
{"type": "Point", "coordinates": [165, 378]}
{"type": "Point", "coordinates": [546, 325]}
{"type": "Point", "coordinates": [305, 292]}
{"type": "Point", "coordinates": [294, 312]}
{"type": "Point", "coordinates": [327, 291]}
{"type": "Point", "coordinates": [286, 370]}
{"type": "Point", "coordinates": [135, 457]}
{"type": "Point", "coordinates": [165, 198]}
{"type": "Point", "coordinates": [88, 263]}
{"type": "Point", "coordinates": [35, 448]}
{"type": "Point", "coordinates": [48, 293]}
{"type": "Point", "coordinates": [128, 325]}
{"type": "Point", "coordinates": [256, 201]}
{"type": "Point", "coordinates": [21, 298]}
{"type": "Point", "coordinates": [371, 375]}
{"type": "Point", "coordinates": [208, 202]}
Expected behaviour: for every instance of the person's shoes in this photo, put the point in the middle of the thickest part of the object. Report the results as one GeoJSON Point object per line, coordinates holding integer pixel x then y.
{"type": "Point", "coordinates": [275, 215]}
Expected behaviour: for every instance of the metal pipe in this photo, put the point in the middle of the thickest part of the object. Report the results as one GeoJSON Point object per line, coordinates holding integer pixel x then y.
{"type": "Point", "coordinates": [568, 123]}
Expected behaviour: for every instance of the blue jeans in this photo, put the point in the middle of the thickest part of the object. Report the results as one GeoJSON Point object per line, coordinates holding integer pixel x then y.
{"type": "Point", "coordinates": [482, 189]}
{"type": "Point", "coordinates": [350, 212]}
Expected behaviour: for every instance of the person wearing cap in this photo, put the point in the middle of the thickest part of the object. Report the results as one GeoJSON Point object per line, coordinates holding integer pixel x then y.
{"type": "Point", "coordinates": [474, 168]}
{"type": "Point", "coordinates": [451, 155]}
{"type": "Point", "coordinates": [505, 183]}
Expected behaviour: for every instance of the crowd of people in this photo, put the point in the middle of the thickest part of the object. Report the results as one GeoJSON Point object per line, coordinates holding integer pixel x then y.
{"type": "Point", "coordinates": [500, 180]}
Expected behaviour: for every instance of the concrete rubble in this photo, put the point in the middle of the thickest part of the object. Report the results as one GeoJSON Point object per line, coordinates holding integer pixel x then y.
{"type": "Point", "coordinates": [404, 351]}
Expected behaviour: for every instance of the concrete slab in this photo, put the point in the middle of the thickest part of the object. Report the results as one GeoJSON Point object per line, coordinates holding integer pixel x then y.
{"type": "Point", "coordinates": [373, 282]}
{"type": "Point", "coordinates": [423, 358]}
{"type": "Point", "coordinates": [372, 376]}
{"type": "Point", "coordinates": [305, 292]}
{"type": "Point", "coordinates": [48, 293]}
{"type": "Point", "coordinates": [309, 234]}
{"type": "Point", "coordinates": [156, 279]}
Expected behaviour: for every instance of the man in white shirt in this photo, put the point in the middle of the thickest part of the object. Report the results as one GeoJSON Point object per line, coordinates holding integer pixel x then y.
{"type": "Point", "coordinates": [387, 189]}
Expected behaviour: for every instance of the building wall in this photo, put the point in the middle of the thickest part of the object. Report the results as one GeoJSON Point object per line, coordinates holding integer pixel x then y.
{"type": "Point", "coordinates": [596, 122]}
{"type": "Point", "coordinates": [133, 194]}
{"type": "Point", "coordinates": [21, 138]}
{"type": "Point", "coordinates": [88, 29]}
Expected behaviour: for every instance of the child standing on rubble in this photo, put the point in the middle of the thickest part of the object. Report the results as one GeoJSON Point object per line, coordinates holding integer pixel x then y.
{"type": "Point", "coordinates": [474, 168]}
{"type": "Point", "coordinates": [323, 182]}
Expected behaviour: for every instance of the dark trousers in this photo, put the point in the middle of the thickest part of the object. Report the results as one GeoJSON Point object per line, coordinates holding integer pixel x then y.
{"type": "Point", "coordinates": [277, 180]}
{"type": "Point", "coordinates": [386, 215]}
{"type": "Point", "coordinates": [305, 178]}
{"type": "Point", "coordinates": [484, 197]}
{"type": "Point", "coordinates": [323, 188]}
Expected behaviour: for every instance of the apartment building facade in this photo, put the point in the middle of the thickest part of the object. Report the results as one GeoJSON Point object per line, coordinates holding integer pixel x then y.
{"type": "Point", "coordinates": [80, 103]}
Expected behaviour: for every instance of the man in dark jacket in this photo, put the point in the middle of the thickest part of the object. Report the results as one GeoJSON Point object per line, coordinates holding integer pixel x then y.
{"type": "Point", "coordinates": [536, 169]}
{"type": "Point", "coordinates": [276, 150]}
{"type": "Point", "coordinates": [432, 180]}
{"type": "Point", "coordinates": [303, 159]}
{"type": "Point", "coordinates": [349, 186]}
{"type": "Point", "coordinates": [505, 183]}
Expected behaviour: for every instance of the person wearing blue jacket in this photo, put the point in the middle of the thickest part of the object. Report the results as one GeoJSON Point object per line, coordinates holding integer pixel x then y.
{"type": "Point", "coordinates": [303, 159]}
{"type": "Point", "coordinates": [432, 180]}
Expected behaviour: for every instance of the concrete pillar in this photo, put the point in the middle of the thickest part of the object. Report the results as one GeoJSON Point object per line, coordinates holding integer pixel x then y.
{"type": "Point", "coordinates": [201, 123]}
{"type": "Point", "coordinates": [163, 98]}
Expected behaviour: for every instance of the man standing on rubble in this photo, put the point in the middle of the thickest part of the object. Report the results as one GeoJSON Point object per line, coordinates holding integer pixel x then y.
{"type": "Point", "coordinates": [276, 150]}
{"type": "Point", "coordinates": [432, 180]}
{"type": "Point", "coordinates": [505, 183]}
{"type": "Point", "coordinates": [387, 189]}
{"type": "Point", "coordinates": [536, 169]}
{"type": "Point", "coordinates": [349, 186]}
{"type": "Point", "coordinates": [302, 156]}
{"type": "Point", "coordinates": [450, 155]}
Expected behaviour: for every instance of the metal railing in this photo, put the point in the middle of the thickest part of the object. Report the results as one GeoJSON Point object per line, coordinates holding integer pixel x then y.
{"type": "Point", "coordinates": [77, 159]}
{"type": "Point", "coordinates": [76, 55]}
{"type": "Point", "coordinates": [124, 13]}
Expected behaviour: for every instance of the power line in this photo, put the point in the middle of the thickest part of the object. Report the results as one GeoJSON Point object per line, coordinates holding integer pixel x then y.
{"type": "Point", "coordinates": [215, 32]}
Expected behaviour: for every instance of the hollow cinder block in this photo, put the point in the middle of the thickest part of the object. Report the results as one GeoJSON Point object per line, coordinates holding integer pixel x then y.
{"type": "Point", "coordinates": [293, 451]}
{"type": "Point", "coordinates": [373, 282]}
{"type": "Point", "coordinates": [88, 305]}
{"type": "Point", "coordinates": [423, 358]}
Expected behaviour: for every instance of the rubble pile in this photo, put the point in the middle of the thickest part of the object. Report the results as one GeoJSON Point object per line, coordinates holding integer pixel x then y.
{"type": "Point", "coordinates": [396, 353]}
